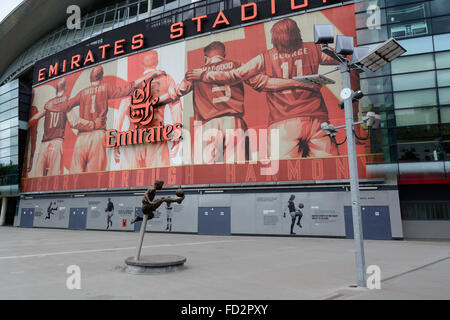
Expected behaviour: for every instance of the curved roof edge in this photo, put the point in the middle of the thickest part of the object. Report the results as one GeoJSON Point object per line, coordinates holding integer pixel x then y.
{"type": "Point", "coordinates": [33, 19]}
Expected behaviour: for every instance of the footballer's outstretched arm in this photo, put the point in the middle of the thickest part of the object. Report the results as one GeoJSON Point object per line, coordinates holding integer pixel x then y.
{"type": "Point", "coordinates": [244, 72]}
{"type": "Point", "coordinates": [35, 119]}
{"type": "Point", "coordinates": [75, 121]}
{"type": "Point", "coordinates": [149, 76]}
{"type": "Point", "coordinates": [262, 82]}
{"type": "Point", "coordinates": [115, 92]}
{"type": "Point", "coordinates": [183, 88]}
{"type": "Point", "coordinates": [79, 123]}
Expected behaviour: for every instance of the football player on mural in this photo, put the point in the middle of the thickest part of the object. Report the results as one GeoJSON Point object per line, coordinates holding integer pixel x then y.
{"type": "Point", "coordinates": [55, 111]}
{"type": "Point", "coordinates": [294, 213]}
{"type": "Point", "coordinates": [296, 113]}
{"type": "Point", "coordinates": [109, 213]}
{"type": "Point", "coordinates": [221, 106]}
{"type": "Point", "coordinates": [89, 153]}
{"type": "Point", "coordinates": [151, 154]}
{"type": "Point", "coordinates": [51, 210]}
{"type": "Point", "coordinates": [169, 212]}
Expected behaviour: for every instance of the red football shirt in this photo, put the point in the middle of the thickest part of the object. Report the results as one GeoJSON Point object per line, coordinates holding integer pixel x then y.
{"type": "Point", "coordinates": [93, 100]}
{"type": "Point", "coordinates": [288, 103]}
{"type": "Point", "coordinates": [214, 100]}
{"type": "Point", "coordinates": [160, 85]}
{"type": "Point", "coordinates": [55, 118]}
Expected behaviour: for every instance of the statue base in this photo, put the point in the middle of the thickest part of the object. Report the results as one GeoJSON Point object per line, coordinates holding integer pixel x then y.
{"type": "Point", "coordinates": [155, 264]}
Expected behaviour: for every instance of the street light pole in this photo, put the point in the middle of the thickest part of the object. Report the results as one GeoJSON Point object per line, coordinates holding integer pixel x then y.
{"type": "Point", "coordinates": [362, 59]}
{"type": "Point", "coordinates": [354, 184]}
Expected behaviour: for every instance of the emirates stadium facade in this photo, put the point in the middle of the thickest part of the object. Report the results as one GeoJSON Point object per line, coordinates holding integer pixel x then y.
{"type": "Point", "coordinates": [200, 94]}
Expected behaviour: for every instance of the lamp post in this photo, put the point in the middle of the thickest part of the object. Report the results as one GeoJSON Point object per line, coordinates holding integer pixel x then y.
{"type": "Point", "coordinates": [354, 182]}
{"type": "Point", "coordinates": [362, 58]}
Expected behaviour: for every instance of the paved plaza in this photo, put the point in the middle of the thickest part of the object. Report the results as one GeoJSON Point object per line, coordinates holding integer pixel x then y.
{"type": "Point", "coordinates": [33, 264]}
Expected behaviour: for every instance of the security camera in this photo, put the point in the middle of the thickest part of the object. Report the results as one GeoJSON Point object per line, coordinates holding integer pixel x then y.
{"type": "Point", "coordinates": [328, 129]}
{"type": "Point", "coordinates": [372, 120]}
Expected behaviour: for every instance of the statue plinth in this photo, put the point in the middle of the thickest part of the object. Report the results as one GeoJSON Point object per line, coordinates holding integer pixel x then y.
{"type": "Point", "coordinates": [155, 264]}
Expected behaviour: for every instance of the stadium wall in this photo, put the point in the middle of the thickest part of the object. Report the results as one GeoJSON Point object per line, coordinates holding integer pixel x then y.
{"type": "Point", "coordinates": [96, 129]}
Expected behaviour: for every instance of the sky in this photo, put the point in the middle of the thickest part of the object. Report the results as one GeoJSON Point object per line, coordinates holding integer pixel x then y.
{"type": "Point", "coordinates": [8, 6]}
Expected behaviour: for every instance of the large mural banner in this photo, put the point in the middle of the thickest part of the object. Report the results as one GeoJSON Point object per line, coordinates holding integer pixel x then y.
{"type": "Point", "coordinates": [217, 109]}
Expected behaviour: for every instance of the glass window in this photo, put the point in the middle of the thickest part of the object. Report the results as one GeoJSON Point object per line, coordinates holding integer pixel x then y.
{"type": "Point", "coordinates": [442, 60]}
{"type": "Point", "coordinates": [409, 29]}
{"type": "Point", "coordinates": [365, 19]}
{"type": "Point", "coordinates": [9, 86]}
{"type": "Point", "coordinates": [445, 132]}
{"type": "Point", "coordinates": [9, 95]}
{"type": "Point", "coordinates": [411, 99]}
{"type": "Point", "coordinates": [445, 114]}
{"type": "Point", "coordinates": [9, 114]}
{"type": "Point", "coordinates": [133, 11]}
{"type": "Point", "coordinates": [109, 19]}
{"type": "Point", "coordinates": [10, 151]}
{"type": "Point", "coordinates": [407, 13]}
{"type": "Point", "coordinates": [88, 28]}
{"type": "Point", "coordinates": [442, 42]}
{"type": "Point", "coordinates": [444, 96]}
{"type": "Point", "coordinates": [390, 3]}
{"type": "Point", "coordinates": [417, 133]}
{"type": "Point", "coordinates": [439, 7]}
{"type": "Point", "coordinates": [443, 78]}
{"type": "Point", "coordinates": [171, 4]}
{"type": "Point", "coordinates": [376, 85]}
{"type": "Point", "coordinates": [9, 123]}
{"type": "Point", "coordinates": [8, 142]}
{"type": "Point", "coordinates": [441, 24]}
{"type": "Point", "coordinates": [9, 161]}
{"type": "Point", "coordinates": [99, 19]}
{"type": "Point", "coordinates": [413, 63]}
{"type": "Point", "coordinates": [413, 81]}
{"type": "Point", "coordinates": [143, 6]}
{"type": "Point", "coordinates": [366, 36]}
{"type": "Point", "coordinates": [425, 211]}
{"type": "Point", "coordinates": [213, 8]}
{"type": "Point", "coordinates": [415, 152]}
{"type": "Point", "coordinates": [11, 104]}
{"type": "Point", "coordinates": [71, 35]}
{"type": "Point", "coordinates": [446, 151]}
{"type": "Point", "coordinates": [387, 119]}
{"type": "Point", "coordinates": [4, 134]}
{"type": "Point", "coordinates": [410, 117]}
{"type": "Point", "coordinates": [362, 5]}
{"type": "Point", "coordinates": [157, 3]}
{"type": "Point", "coordinates": [418, 45]}
{"type": "Point", "coordinates": [377, 101]}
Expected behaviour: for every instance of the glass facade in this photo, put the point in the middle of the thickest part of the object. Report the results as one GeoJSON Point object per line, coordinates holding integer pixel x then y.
{"type": "Point", "coordinates": [412, 93]}
{"type": "Point", "coordinates": [9, 138]}
{"type": "Point", "coordinates": [14, 108]}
